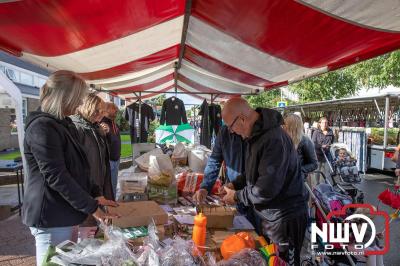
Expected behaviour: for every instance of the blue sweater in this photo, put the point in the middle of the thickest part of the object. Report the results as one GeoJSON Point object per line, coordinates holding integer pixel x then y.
{"type": "Point", "coordinates": [230, 148]}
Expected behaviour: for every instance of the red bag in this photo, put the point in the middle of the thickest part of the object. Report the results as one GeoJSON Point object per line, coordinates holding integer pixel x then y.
{"type": "Point", "coordinates": [189, 183]}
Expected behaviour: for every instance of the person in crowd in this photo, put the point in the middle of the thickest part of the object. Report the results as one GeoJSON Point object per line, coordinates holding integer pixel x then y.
{"type": "Point", "coordinates": [347, 166]}
{"type": "Point", "coordinates": [92, 138]}
{"type": "Point", "coordinates": [58, 192]}
{"type": "Point", "coordinates": [113, 140]}
{"type": "Point", "coordinates": [323, 138]}
{"type": "Point", "coordinates": [303, 144]}
{"type": "Point", "coordinates": [273, 183]}
{"type": "Point", "coordinates": [230, 149]}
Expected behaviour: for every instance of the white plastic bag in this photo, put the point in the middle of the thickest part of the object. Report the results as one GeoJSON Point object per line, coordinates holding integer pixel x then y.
{"type": "Point", "coordinates": [143, 161]}
{"type": "Point", "coordinates": [198, 158]}
{"type": "Point", "coordinates": [161, 171]}
{"type": "Point", "coordinates": [180, 151]}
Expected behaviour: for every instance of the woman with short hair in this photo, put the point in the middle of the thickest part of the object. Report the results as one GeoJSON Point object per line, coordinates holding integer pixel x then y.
{"type": "Point", "coordinates": [93, 140]}
{"type": "Point", "coordinates": [58, 191]}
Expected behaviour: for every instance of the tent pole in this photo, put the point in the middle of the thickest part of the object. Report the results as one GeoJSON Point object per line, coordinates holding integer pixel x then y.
{"type": "Point", "coordinates": [140, 117]}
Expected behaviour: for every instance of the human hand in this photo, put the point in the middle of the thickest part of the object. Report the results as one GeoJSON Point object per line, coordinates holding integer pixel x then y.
{"type": "Point", "coordinates": [104, 217]}
{"type": "Point", "coordinates": [221, 190]}
{"type": "Point", "coordinates": [229, 198]}
{"type": "Point", "coordinates": [105, 202]}
{"type": "Point", "coordinates": [397, 172]}
{"type": "Point", "coordinates": [105, 127]}
{"type": "Point", "coordinates": [200, 195]}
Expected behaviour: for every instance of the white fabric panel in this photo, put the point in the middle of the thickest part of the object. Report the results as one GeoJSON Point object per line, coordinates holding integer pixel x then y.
{"type": "Point", "coordinates": [209, 74]}
{"type": "Point", "coordinates": [159, 87]}
{"type": "Point", "coordinates": [116, 52]}
{"type": "Point", "coordinates": [225, 48]}
{"type": "Point", "coordinates": [213, 83]}
{"type": "Point", "coordinates": [378, 14]}
{"type": "Point", "coordinates": [190, 89]}
{"type": "Point", "coordinates": [134, 75]}
{"type": "Point", "coordinates": [134, 82]}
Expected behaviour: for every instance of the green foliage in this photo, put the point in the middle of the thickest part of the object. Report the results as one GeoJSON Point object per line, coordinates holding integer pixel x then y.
{"type": "Point", "coordinates": [266, 99]}
{"type": "Point", "coordinates": [379, 72]}
{"type": "Point", "coordinates": [121, 122]}
{"type": "Point", "coordinates": [152, 128]}
{"type": "Point", "coordinates": [332, 85]}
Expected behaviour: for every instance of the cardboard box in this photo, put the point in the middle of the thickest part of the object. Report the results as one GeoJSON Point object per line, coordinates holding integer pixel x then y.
{"type": "Point", "coordinates": [138, 213]}
{"type": "Point", "coordinates": [220, 217]}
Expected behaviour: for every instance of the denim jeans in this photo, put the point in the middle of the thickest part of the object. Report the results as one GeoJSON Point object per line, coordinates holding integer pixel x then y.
{"type": "Point", "coordinates": [44, 237]}
{"type": "Point", "coordinates": [114, 165]}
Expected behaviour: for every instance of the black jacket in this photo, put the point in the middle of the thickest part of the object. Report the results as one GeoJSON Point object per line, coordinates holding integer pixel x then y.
{"type": "Point", "coordinates": [274, 183]}
{"type": "Point", "coordinates": [113, 139]}
{"type": "Point", "coordinates": [307, 157]}
{"type": "Point", "coordinates": [58, 187]}
{"type": "Point", "coordinates": [131, 114]}
{"type": "Point", "coordinates": [173, 112]}
{"type": "Point", "coordinates": [320, 139]}
{"type": "Point", "coordinates": [96, 148]}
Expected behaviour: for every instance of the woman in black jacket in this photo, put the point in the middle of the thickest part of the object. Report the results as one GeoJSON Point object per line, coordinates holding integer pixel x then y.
{"type": "Point", "coordinates": [59, 195]}
{"type": "Point", "coordinates": [93, 139]}
{"type": "Point", "coordinates": [303, 144]}
{"type": "Point", "coordinates": [323, 138]}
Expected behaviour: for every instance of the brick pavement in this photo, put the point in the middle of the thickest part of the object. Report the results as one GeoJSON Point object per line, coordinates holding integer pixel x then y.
{"type": "Point", "coordinates": [17, 246]}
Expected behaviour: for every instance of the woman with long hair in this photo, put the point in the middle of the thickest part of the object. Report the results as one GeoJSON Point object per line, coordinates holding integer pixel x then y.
{"type": "Point", "coordinates": [303, 144]}
{"type": "Point", "coordinates": [58, 192]}
{"type": "Point", "coordinates": [323, 138]}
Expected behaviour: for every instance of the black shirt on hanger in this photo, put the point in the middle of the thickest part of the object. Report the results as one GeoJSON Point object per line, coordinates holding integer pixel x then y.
{"type": "Point", "coordinates": [173, 112]}
{"type": "Point", "coordinates": [132, 115]}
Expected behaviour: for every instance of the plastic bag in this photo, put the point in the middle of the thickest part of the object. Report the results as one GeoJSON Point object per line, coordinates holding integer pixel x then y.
{"type": "Point", "coordinates": [189, 183]}
{"type": "Point", "coordinates": [246, 257]}
{"type": "Point", "coordinates": [180, 151]}
{"type": "Point", "coordinates": [161, 171]}
{"type": "Point", "coordinates": [198, 158]}
{"type": "Point", "coordinates": [143, 160]}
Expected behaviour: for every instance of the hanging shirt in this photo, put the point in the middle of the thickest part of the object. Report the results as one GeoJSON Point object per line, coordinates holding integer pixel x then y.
{"type": "Point", "coordinates": [173, 112]}
{"type": "Point", "coordinates": [132, 115]}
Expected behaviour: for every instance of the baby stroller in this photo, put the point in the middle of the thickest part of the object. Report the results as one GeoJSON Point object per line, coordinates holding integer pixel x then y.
{"type": "Point", "coordinates": [326, 198]}
{"type": "Point", "coordinates": [334, 152]}
{"type": "Point", "coordinates": [341, 186]}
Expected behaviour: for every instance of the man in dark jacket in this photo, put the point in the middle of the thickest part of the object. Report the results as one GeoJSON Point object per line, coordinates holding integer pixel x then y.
{"type": "Point", "coordinates": [273, 182]}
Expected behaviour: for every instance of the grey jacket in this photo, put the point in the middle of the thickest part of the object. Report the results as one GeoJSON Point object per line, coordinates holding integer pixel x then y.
{"type": "Point", "coordinates": [96, 148]}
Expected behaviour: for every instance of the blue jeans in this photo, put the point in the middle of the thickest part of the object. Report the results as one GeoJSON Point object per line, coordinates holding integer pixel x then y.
{"type": "Point", "coordinates": [44, 237]}
{"type": "Point", "coordinates": [114, 165]}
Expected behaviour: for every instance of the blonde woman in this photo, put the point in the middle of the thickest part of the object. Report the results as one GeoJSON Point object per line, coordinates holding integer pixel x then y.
{"type": "Point", "coordinates": [303, 144]}
{"type": "Point", "coordinates": [58, 188]}
{"type": "Point", "coordinates": [94, 142]}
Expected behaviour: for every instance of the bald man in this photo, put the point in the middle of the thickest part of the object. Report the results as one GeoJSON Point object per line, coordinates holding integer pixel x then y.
{"type": "Point", "coordinates": [272, 183]}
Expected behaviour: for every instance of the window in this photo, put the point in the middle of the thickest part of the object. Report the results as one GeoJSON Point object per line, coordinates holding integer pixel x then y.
{"type": "Point", "coordinates": [26, 79]}
{"type": "Point", "coordinates": [11, 74]}
{"type": "Point", "coordinates": [121, 102]}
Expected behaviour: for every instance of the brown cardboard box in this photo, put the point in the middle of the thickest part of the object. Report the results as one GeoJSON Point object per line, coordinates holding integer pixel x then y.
{"type": "Point", "coordinates": [219, 216]}
{"type": "Point", "coordinates": [138, 213]}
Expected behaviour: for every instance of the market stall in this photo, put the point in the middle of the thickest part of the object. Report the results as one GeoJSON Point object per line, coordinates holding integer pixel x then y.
{"type": "Point", "coordinates": [367, 125]}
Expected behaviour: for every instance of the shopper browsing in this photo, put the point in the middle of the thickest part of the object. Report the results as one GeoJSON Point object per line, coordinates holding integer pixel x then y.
{"type": "Point", "coordinates": [57, 188]}
{"type": "Point", "coordinates": [273, 183]}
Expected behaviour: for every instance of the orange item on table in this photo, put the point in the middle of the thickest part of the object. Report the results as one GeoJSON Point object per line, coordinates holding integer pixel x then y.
{"type": "Point", "coordinates": [200, 231]}
{"type": "Point", "coordinates": [235, 243]}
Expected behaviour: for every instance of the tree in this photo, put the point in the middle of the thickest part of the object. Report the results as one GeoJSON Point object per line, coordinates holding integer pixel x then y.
{"type": "Point", "coordinates": [265, 99]}
{"type": "Point", "coordinates": [332, 85]}
{"type": "Point", "coordinates": [380, 72]}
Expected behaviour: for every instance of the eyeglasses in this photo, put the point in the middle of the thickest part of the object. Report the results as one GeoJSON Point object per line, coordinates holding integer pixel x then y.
{"type": "Point", "coordinates": [230, 128]}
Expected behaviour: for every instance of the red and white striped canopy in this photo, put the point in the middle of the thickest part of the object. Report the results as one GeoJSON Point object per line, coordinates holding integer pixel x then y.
{"type": "Point", "coordinates": [218, 46]}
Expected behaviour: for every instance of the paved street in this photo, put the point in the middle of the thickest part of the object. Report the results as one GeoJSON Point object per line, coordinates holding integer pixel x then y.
{"type": "Point", "coordinates": [17, 245]}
